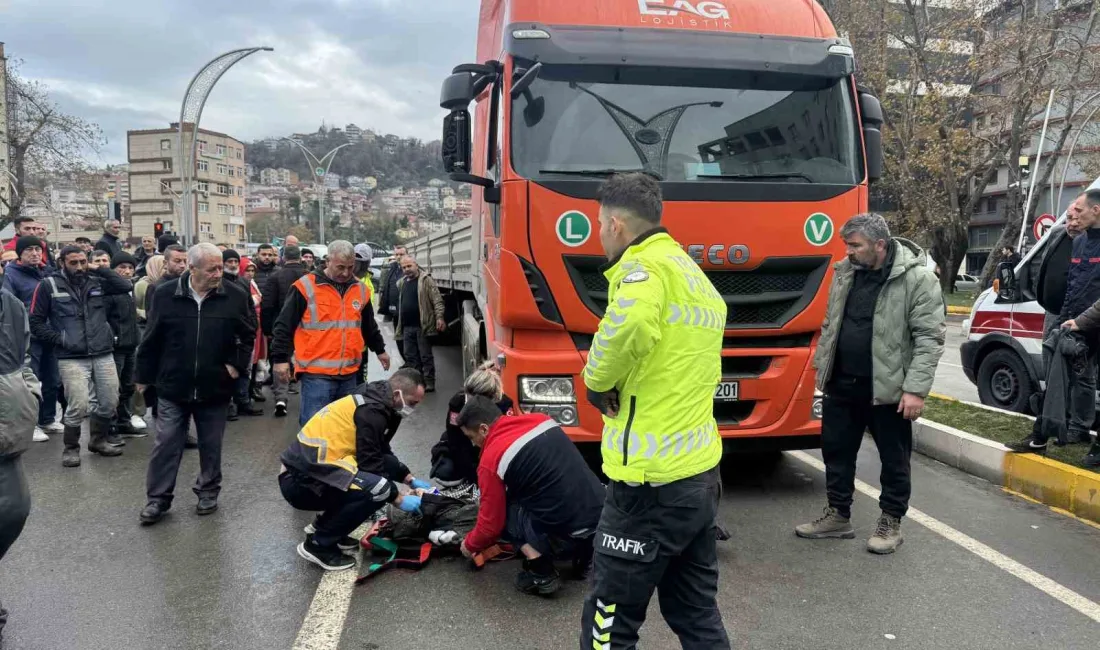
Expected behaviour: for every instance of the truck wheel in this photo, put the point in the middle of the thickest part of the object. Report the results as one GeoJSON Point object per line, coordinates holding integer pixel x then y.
{"type": "Point", "coordinates": [1003, 381]}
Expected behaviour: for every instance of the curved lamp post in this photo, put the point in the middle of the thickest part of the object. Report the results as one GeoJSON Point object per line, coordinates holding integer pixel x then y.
{"type": "Point", "coordinates": [191, 111]}
{"type": "Point", "coordinates": [319, 168]}
{"type": "Point", "coordinates": [1076, 136]}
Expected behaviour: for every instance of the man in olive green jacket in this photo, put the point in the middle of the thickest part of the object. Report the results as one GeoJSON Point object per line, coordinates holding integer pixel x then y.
{"type": "Point", "coordinates": [876, 360]}
{"type": "Point", "coordinates": [419, 315]}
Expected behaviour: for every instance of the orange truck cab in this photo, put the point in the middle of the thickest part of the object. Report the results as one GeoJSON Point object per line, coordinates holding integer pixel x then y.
{"type": "Point", "coordinates": [749, 115]}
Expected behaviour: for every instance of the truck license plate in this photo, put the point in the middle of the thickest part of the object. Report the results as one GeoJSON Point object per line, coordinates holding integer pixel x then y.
{"type": "Point", "coordinates": [727, 391]}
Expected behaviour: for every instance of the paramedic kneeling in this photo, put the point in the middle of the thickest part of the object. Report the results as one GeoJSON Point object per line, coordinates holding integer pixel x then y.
{"type": "Point", "coordinates": [341, 464]}
{"type": "Point", "coordinates": [535, 488]}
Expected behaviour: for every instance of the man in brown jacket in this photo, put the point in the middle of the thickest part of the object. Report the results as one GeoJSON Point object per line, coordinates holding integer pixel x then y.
{"type": "Point", "coordinates": [419, 315]}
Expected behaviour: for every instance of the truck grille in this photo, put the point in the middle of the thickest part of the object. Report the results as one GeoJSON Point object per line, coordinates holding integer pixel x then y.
{"type": "Point", "coordinates": [765, 297]}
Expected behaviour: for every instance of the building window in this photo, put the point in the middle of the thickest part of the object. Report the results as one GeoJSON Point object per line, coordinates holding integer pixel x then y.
{"type": "Point", "coordinates": [223, 170]}
{"type": "Point", "coordinates": [202, 145]}
{"type": "Point", "coordinates": [204, 226]}
{"type": "Point", "coordinates": [240, 154]}
{"type": "Point", "coordinates": [166, 165]}
{"type": "Point", "coordinates": [223, 189]}
{"type": "Point", "coordinates": [225, 209]}
{"type": "Point", "coordinates": [204, 166]}
{"type": "Point", "coordinates": [165, 145]}
{"type": "Point", "coordinates": [204, 207]}
{"type": "Point", "coordinates": [219, 149]}
{"type": "Point", "coordinates": [204, 186]}
{"type": "Point", "coordinates": [240, 191]}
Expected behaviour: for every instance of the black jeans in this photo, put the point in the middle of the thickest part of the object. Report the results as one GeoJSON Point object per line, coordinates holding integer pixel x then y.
{"type": "Point", "coordinates": [660, 537]}
{"type": "Point", "coordinates": [124, 364]}
{"type": "Point", "coordinates": [847, 413]}
{"type": "Point", "coordinates": [341, 512]}
{"type": "Point", "coordinates": [417, 352]}
{"type": "Point", "coordinates": [173, 421]}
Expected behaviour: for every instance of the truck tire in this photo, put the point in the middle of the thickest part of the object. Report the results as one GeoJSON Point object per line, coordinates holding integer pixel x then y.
{"type": "Point", "coordinates": [1003, 381]}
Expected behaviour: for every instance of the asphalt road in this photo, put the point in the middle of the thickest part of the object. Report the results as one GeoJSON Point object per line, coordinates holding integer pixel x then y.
{"type": "Point", "coordinates": [950, 380]}
{"type": "Point", "coordinates": [86, 576]}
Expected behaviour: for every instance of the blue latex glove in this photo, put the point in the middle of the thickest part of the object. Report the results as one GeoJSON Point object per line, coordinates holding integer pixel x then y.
{"type": "Point", "coordinates": [417, 484]}
{"type": "Point", "coordinates": [410, 503]}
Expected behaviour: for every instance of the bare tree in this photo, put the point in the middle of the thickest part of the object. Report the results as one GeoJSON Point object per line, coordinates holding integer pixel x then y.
{"type": "Point", "coordinates": [937, 68]}
{"type": "Point", "coordinates": [42, 139]}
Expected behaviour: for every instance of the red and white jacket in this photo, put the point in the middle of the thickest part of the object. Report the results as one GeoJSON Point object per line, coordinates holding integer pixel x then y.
{"type": "Point", "coordinates": [528, 460]}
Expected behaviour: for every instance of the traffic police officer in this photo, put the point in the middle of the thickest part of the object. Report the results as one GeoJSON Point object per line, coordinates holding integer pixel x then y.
{"type": "Point", "coordinates": [652, 371]}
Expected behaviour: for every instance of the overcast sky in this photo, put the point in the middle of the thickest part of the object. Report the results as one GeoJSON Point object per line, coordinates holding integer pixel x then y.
{"type": "Point", "coordinates": [126, 64]}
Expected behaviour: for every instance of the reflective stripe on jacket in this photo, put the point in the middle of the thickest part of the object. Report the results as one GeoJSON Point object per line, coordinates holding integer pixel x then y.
{"type": "Point", "coordinates": [328, 341]}
{"type": "Point", "coordinates": [660, 345]}
{"type": "Point", "coordinates": [325, 446]}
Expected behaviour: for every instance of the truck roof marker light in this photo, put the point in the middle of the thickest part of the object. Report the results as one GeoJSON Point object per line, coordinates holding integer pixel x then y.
{"type": "Point", "coordinates": [530, 34]}
{"type": "Point", "coordinates": [845, 50]}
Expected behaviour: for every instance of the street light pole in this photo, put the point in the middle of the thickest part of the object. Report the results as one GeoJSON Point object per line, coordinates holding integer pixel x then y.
{"type": "Point", "coordinates": [319, 168]}
{"type": "Point", "coordinates": [191, 110]}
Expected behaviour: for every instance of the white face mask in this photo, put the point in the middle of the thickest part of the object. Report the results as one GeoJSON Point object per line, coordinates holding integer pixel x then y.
{"type": "Point", "coordinates": [405, 410]}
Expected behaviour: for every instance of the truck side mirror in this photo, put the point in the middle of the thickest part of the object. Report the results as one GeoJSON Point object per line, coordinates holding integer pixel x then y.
{"type": "Point", "coordinates": [458, 92]}
{"type": "Point", "coordinates": [871, 113]}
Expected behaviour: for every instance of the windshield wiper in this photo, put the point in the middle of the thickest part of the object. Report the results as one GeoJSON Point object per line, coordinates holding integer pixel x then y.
{"type": "Point", "coordinates": [750, 177]}
{"type": "Point", "coordinates": [600, 172]}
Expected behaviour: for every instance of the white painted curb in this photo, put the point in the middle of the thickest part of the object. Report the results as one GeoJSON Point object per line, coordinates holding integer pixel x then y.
{"type": "Point", "coordinates": [969, 453]}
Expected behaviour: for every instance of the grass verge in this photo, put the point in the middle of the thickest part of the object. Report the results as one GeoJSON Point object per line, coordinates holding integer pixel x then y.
{"type": "Point", "coordinates": [999, 427]}
{"type": "Point", "coordinates": [960, 299]}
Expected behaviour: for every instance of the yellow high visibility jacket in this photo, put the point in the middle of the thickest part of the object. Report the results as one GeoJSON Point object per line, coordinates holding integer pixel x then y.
{"type": "Point", "coordinates": [659, 344]}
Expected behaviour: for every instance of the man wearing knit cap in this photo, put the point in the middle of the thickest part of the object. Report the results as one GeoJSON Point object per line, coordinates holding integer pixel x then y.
{"type": "Point", "coordinates": [242, 400]}
{"type": "Point", "coordinates": [21, 278]}
{"type": "Point", "coordinates": [122, 316]}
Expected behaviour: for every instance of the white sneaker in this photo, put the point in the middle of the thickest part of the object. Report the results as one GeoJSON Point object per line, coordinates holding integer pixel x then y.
{"type": "Point", "coordinates": [40, 435]}
{"type": "Point", "coordinates": [54, 428]}
{"type": "Point", "coordinates": [137, 422]}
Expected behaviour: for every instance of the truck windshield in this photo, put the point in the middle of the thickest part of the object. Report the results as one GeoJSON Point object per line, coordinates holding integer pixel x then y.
{"type": "Point", "coordinates": [685, 125]}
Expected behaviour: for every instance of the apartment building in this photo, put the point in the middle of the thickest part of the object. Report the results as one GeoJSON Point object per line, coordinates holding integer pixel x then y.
{"type": "Point", "coordinates": [219, 183]}
{"type": "Point", "coordinates": [278, 177]}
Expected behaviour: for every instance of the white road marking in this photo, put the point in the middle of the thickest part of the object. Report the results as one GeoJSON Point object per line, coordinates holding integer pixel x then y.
{"type": "Point", "coordinates": [1044, 584]}
{"type": "Point", "coordinates": [953, 365]}
{"type": "Point", "coordinates": [324, 622]}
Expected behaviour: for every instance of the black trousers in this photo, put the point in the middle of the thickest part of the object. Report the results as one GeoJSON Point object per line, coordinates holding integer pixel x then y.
{"type": "Point", "coordinates": [660, 538]}
{"type": "Point", "coordinates": [15, 506]}
{"type": "Point", "coordinates": [847, 413]}
{"type": "Point", "coordinates": [417, 352]}
{"type": "Point", "coordinates": [341, 512]}
{"type": "Point", "coordinates": [124, 364]}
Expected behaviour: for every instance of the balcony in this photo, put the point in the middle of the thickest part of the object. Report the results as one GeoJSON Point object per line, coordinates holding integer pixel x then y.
{"type": "Point", "coordinates": [987, 218]}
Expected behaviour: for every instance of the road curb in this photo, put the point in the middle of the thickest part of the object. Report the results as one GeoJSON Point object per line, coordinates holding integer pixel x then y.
{"type": "Point", "coordinates": [1050, 482]}
{"type": "Point", "coordinates": [958, 311]}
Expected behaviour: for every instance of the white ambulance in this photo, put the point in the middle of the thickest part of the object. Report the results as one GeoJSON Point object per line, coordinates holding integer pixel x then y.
{"type": "Point", "coordinates": [1003, 351]}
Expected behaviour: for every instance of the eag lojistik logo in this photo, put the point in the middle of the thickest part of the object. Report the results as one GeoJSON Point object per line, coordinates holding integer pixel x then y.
{"type": "Point", "coordinates": [685, 13]}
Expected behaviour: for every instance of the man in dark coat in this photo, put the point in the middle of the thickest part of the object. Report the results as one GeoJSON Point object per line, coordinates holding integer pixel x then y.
{"type": "Point", "coordinates": [193, 380]}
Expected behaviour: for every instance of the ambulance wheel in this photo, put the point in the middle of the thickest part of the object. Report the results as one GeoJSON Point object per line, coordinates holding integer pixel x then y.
{"type": "Point", "coordinates": [1003, 381]}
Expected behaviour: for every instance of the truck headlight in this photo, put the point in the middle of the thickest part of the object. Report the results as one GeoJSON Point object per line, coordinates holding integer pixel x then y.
{"type": "Point", "coordinates": [553, 396]}
{"type": "Point", "coordinates": [817, 405]}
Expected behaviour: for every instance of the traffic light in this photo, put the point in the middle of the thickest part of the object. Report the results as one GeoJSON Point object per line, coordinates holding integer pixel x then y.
{"type": "Point", "coordinates": [158, 230]}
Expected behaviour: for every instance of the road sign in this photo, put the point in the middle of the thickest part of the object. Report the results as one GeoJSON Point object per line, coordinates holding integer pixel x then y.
{"type": "Point", "coordinates": [818, 229]}
{"type": "Point", "coordinates": [320, 171]}
{"type": "Point", "coordinates": [573, 228]}
{"type": "Point", "coordinates": [1042, 225]}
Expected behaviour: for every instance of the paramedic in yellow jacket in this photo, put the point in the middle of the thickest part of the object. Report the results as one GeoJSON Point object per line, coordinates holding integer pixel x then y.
{"type": "Point", "coordinates": [652, 371]}
{"type": "Point", "coordinates": [341, 464]}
